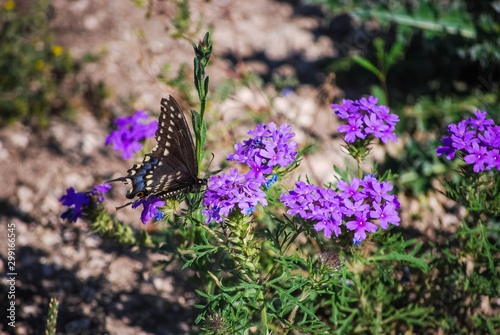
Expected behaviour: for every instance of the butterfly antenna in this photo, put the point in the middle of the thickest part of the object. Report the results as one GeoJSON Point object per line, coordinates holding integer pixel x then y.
{"type": "Point", "coordinates": [128, 204]}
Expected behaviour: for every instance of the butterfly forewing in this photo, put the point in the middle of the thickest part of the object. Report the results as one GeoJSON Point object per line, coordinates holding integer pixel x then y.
{"type": "Point", "coordinates": [171, 167]}
{"type": "Point", "coordinates": [174, 138]}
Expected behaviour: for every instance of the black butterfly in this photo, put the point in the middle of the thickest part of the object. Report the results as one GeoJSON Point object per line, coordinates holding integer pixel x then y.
{"type": "Point", "coordinates": [172, 167]}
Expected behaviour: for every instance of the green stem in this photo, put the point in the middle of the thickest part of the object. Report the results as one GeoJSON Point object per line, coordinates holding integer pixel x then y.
{"type": "Point", "coordinates": [291, 318]}
{"type": "Point", "coordinates": [228, 249]}
{"type": "Point", "coordinates": [360, 170]}
{"type": "Point", "coordinates": [263, 313]}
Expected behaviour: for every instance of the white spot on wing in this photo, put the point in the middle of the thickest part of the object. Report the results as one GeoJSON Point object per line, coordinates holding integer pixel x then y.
{"type": "Point", "coordinates": [166, 152]}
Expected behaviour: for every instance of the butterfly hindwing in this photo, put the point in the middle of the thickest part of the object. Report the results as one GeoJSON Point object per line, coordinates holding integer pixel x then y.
{"type": "Point", "coordinates": [172, 167]}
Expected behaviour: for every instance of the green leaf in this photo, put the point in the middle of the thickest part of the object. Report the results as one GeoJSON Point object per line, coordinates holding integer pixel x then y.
{"type": "Point", "coordinates": [367, 65]}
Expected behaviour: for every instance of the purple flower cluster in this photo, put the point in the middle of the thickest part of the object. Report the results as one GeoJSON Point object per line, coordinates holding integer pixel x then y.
{"type": "Point", "coordinates": [356, 205]}
{"type": "Point", "coordinates": [365, 118]}
{"type": "Point", "coordinates": [80, 200]}
{"type": "Point", "coordinates": [227, 191]}
{"type": "Point", "coordinates": [150, 208]}
{"type": "Point", "coordinates": [269, 147]}
{"type": "Point", "coordinates": [477, 139]}
{"type": "Point", "coordinates": [130, 131]}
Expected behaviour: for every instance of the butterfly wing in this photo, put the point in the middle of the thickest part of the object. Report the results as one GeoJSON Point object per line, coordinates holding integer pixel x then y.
{"type": "Point", "coordinates": [171, 167]}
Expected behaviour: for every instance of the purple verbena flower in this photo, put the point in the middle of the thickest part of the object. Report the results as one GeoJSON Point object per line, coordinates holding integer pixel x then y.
{"type": "Point", "coordinates": [368, 104]}
{"type": "Point", "coordinates": [353, 129]}
{"type": "Point", "coordinates": [77, 199]}
{"type": "Point", "coordinates": [353, 205]}
{"type": "Point", "coordinates": [81, 200]}
{"type": "Point", "coordinates": [350, 191]}
{"type": "Point", "coordinates": [477, 156]}
{"type": "Point", "coordinates": [269, 147]}
{"type": "Point", "coordinates": [374, 125]}
{"type": "Point", "coordinates": [361, 225]}
{"type": "Point", "coordinates": [150, 207]}
{"type": "Point", "coordinates": [130, 131]}
{"type": "Point", "coordinates": [480, 121]}
{"type": "Point", "coordinates": [477, 139]}
{"type": "Point", "coordinates": [365, 118]}
{"type": "Point", "coordinates": [446, 149]}
{"type": "Point", "coordinates": [227, 191]}
{"type": "Point", "coordinates": [100, 190]}
{"type": "Point", "coordinates": [386, 214]}
{"type": "Point", "coordinates": [493, 159]}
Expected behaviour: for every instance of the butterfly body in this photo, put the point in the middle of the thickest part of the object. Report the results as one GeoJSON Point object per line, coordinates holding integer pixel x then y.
{"type": "Point", "coordinates": [171, 168]}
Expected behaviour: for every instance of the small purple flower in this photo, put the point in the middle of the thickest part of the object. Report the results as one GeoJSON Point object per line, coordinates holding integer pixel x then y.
{"type": "Point", "coordinates": [477, 156]}
{"type": "Point", "coordinates": [328, 228]}
{"type": "Point", "coordinates": [352, 130]}
{"type": "Point", "coordinates": [100, 190]}
{"type": "Point", "coordinates": [258, 169]}
{"type": "Point", "coordinates": [361, 225]}
{"type": "Point", "coordinates": [286, 92]}
{"type": "Point", "coordinates": [386, 214]}
{"type": "Point", "coordinates": [477, 139]}
{"type": "Point", "coordinates": [388, 134]}
{"type": "Point", "coordinates": [77, 199]}
{"type": "Point", "coordinates": [380, 190]}
{"type": "Point", "coordinates": [350, 191]}
{"type": "Point", "coordinates": [356, 208]}
{"type": "Point", "coordinates": [352, 205]}
{"type": "Point", "coordinates": [81, 200]}
{"type": "Point", "coordinates": [493, 159]}
{"type": "Point", "coordinates": [383, 113]}
{"type": "Point", "coordinates": [479, 122]}
{"type": "Point", "coordinates": [368, 104]}
{"type": "Point", "coordinates": [446, 149]}
{"type": "Point", "coordinates": [365, 118]}
{"type": "Point", "coordinates": [374, 126]}
{"type": "Point", "coordinates": [130, 131]}
{"type": "Point", "coordinates": [268, 148]}
{"type": "Point", "coordinates": [227, 191]}
{"type": "Point", "coordinates": [150, 208]}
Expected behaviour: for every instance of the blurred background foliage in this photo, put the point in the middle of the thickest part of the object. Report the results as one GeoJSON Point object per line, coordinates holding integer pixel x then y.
{"type": "Point", "coordinates": [37, 76]}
